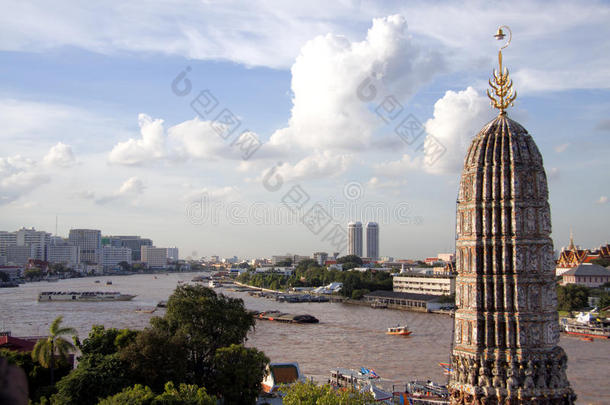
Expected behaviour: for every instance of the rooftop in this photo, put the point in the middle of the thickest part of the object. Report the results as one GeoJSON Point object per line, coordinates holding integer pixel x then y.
{"type": "Point", "coordinates": [588, 269]}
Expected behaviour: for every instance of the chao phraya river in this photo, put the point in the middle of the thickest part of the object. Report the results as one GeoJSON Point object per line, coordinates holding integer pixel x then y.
{"type": "Point", "coordinates": [347, 336]}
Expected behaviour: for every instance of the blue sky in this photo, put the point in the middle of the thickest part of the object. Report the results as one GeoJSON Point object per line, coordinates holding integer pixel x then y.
{"type": "Point", "coordinates": [94, 134]}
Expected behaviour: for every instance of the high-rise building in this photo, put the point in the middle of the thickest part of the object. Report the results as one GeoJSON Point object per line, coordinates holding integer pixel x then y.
{"type": "Point", "coordinates": [354, 238]}
{"type": "Point", "coordinates": [172, 254]}
{"type": "Point", "coordinates": [62, 251]}
{"type": "Point", "coordinates": [89, 241]}
{"type": "Point", "coordinates": [132, 242]}
{"type": "Point", "coordinates": [372, 240]}
{"type": "Point", "coordinates": [19, 255]}
{"type": "Point", "coordinates": [7, 239]}
{"type": "Point", "coordinates": [320, 257]}
{"type": "Point", "coordinates": [112, 256]}
{"type": "Point", "coordinates": [506, 331]}
{"type": "Point", "coordinates": [38, 240]}
{"type": "Point", "coordinates": [154, 256]}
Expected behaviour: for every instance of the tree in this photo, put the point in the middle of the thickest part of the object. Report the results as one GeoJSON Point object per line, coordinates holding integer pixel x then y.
{"type": "Point", "coordinates": [46, 350]}
{"type": "Point", "coordinates": [4, 277]}
{"type": "Point", "coordinates": [207, 321]}
{"type": "Point", "coordinates": [106, 341]}
{"type": "Point", "coordinates": [125, 266]}
{"type": "Point", "coordinates": [572, 297]}
{"type": "Point", "coordinates": [601, 262]}
{"type": "Point", "coordinates": [152, 348]}
{"type": "Point", "coordinates": [310, 394]}
{"type": "Point", "coordinates": [238, 373]}
{"type": "Point", "coordinates": [32, 273]}
{"type": "Point", "coordinates": [350, 259]}
{"type": "Point", "coordinates": [97, 376]}
{"type": "Point", "coordinates": [142, 395]}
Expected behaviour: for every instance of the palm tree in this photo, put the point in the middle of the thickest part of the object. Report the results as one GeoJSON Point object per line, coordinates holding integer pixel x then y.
{"type": "Point", "coordinates": [46, 350]}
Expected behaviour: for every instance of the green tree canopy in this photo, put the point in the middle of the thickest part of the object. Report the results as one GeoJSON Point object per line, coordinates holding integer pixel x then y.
{"type": "Point", "coordinates": [350, 259]}
{"type": "Point", "coordinates": [106, 341]}
{"type": "Point", "coordinates": [207, 321]}
{"type": "Point", "coordinates": [155, 357]}
{"type": "Point", "coordinates": [142, 395]}
{"type": "Point", "coordinates": [97, 376]}
{"type": "Point", "coordinates": [310, 394]}
{"type": "Point", "coordinates": [238, 373]}
{"type": "Point", "coordinates": [572, 297]}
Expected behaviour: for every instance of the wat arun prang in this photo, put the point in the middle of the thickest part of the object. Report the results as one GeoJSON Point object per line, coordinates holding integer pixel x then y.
{"type": "Point", "coordinates": [506, 327]}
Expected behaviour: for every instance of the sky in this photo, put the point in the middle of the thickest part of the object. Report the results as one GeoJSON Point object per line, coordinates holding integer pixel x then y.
{"type": "Point", "coordinates": [261, 128]}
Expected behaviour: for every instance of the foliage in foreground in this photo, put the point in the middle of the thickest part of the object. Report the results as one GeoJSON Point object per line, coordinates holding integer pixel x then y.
{"type": "Point", "coordinates": [143, 395]}
{"type": "Point", "coordinates": [310, 394]}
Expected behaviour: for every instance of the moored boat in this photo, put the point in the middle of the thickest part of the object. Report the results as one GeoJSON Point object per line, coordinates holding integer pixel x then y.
{"type": "Point", "coordinates": [586, 325]}
{"type": "Point", "coordinates": [47, 296]}
{"type": "Point", "coordinates": [399, 330]}
{"type": "Point", "coordinates": [279, 374]}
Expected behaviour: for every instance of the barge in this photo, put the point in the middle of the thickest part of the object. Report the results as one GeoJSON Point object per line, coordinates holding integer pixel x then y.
{"type": "Point", "coordinates": [95, 296]}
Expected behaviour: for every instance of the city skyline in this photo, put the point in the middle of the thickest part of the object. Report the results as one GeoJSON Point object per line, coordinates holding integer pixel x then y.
{"type": "Point", "coordinates": [108, 128]}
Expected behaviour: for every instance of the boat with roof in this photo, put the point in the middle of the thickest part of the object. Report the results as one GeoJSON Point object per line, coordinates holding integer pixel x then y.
{"type": "Point", "coordinates": [47, 296]}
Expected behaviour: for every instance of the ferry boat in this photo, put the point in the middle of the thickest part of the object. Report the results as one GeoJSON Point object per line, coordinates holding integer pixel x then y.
{"type": "Point", "coordinates": [423, 393]}
{"type": "Point", "coordinates": [363, 380]}
{"type": "Point", "coordinates": [586, 324]}
{"type": "Point", "coordinates": [399, 330]}
{"type": "Point", "coordinates": [83, 296]}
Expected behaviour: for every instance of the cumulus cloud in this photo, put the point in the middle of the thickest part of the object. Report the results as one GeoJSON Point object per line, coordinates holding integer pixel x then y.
{"type": "Point", "coordinates": [397, 168]}
{"type": "Point", "coordinates": [458, 116]}
{"type": "Point", "coordinates": [212, 193]}
{"type": "Point", "coordinates": [18, 176]}
{"type": "Point", "coordinates": [198, 139]}
{"type": "Point", "coordinates": [149, 147]}
{"type": "Point", "coordinates": [60, 155]}
{"type": "Point", "coordinates": [331, 72]}
{"type": "Point", "coordinates": [603, 125]}
{"type": "Point", "coordinates": [318, 165]}
{"type": "Point", "coordinates": [130, 190]}
{"type": "Point", "coordinates": [603, 199]}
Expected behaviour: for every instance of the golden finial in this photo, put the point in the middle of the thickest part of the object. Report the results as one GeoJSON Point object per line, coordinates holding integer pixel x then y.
{"type": "Point", "coordinates": [502, 85]}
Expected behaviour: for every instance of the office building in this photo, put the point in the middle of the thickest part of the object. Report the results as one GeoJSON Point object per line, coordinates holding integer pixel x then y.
{"type": "Point", "coordinates": [320, 257]}
{"type": "Point", "coordinates": [354, 238]}
{"type": "Point", "coordinates": [62, 251]}
{"type": "Point", "coordinates": [172, 254]}
{"type": "Point", "coordinates": [7, 239]}
{"type": "Point", "coordinates": [38, 240]}
{"type": "Point", "coordinates": [132, 242]}
{"type": "Point", "coordinates": [154, 257]}
{"type": "Point", "coordinates": [89, 242]}
{"type": "Point", "coordinates": [112, 256]}
{"type": "Point", "coordinates": [372, 240]}
{"type": "Point", "coordinates": [417, 283]}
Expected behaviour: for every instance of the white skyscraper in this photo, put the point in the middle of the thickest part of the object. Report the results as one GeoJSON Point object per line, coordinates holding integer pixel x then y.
{"type": "Point", "coordinates": [354, 238]}
{"type": "Point", "coordinates": [372, 240]}
{"type": "Point", "coordinates": [89, 241]}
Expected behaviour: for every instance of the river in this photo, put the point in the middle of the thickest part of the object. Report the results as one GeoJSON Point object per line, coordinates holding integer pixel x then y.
{"type": "Point", "coordinates": [347, 335]}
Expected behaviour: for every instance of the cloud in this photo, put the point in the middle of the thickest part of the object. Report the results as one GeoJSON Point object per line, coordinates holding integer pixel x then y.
{"type": "Point", "coordinates": [150, 147]}
{"type": "Point", "coordinates": [18, 177]}
{"type": "Point", "coordinates": [394, 186]}
{"type": "Point", "coordinates": [561, 148]}
{"type": "Point", "coordinates": [130, 190]}
{"type": "Point", "coordinates": [603, 199]}
{"type": "Point", "coordinates": [458, 117]}
{"type": "Point", "coordinates": [329, 77]}
{"type": "Point", "coordinates": [60, 155]}
{"type": "Point", "coordinates": [198, 139]}
{"type": "Point", "coordinates": [397, 168]}
{"type": "Point", "coordinates": [319, 165]}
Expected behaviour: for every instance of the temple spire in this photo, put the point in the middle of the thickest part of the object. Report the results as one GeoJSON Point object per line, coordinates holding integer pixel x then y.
{"type": "Point", "coordinates": [571, 246]}
{"type": "Point", "coordinates": [502, 85]}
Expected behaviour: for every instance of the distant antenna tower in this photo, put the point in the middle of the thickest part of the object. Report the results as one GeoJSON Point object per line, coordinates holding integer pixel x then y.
{"type": "Point", "coordinates": [55, 225]}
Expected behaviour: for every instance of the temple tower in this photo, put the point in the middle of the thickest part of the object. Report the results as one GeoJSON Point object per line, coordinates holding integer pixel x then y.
{"type": "Point", "coordinates": [506, 327]}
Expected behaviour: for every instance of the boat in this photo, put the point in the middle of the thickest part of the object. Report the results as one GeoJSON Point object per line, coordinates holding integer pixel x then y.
{"type": "Point", "coordinates": [109, 282]}
{"type": "Point", "coordinates": [145, 311]}
{"type": "Point", "coordinates": [586, 325]}
{"type": "Point", "coordinates": [97, 281]}
{"type": "Point", "coordinates": [399, 330]}
{"type": "Point", "coordinates": [83, 296]}
{"type": "Point", "coordinates": [379, 305]}
{"type": "Point", "coordinates": [284, 317]}
{"type": "Point", "coordinates": [279, 374]}
{"type": "Point", "coordinates": [214, 284]}
{"type": "Point", "coordinates": [364, 380]}
{"type": "Point", "coordinates": [162, 304]}
{"type": "Point", "coordinates": [423, 393]}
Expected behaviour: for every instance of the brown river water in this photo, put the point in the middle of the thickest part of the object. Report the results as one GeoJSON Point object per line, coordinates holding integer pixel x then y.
{"type": "Point", "coordinates": [347, 336]}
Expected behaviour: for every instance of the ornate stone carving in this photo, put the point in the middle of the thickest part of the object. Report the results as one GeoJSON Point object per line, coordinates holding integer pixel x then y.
{"type": "Point", "coordinates": [503, 235]}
